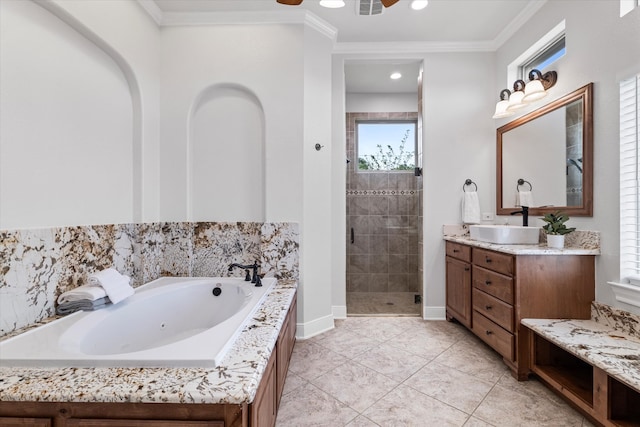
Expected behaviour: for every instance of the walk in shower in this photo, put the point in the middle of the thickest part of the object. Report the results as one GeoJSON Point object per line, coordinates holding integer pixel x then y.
{"type": "Point", "coordinates": [383, 215]}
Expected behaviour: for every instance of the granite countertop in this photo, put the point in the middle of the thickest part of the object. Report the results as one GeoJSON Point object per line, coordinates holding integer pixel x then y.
{"type": "Point", "coordinates": [611, 350]}
{"type": "Point", "coordinates": [539, 249]}
{"type": "Point", "coordinates": [235, 381]}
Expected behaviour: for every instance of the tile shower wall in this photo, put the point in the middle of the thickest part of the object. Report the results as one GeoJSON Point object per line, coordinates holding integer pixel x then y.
{"type": "Point", "coordinates": [382, 210]}
{"type": "Point", "coordinates": [574, 154]}
{"type": "Point", "coordinates": [36, 266]}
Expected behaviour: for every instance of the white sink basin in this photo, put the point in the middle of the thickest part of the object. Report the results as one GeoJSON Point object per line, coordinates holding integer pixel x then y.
{"type": "Point", "coordinates": [505, 234]}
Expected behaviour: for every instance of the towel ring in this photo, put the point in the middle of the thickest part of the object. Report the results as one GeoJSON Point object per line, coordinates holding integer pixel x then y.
{"type": "Point", "coordinates": [522, 182]}
{"type": "Point", "coordinates": [469, 182]}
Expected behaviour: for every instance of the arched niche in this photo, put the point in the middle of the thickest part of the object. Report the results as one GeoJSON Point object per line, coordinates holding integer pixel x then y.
{"type": "Point", "coordinates": [70, 149]}
{"type": "Point", "coordinates": [226, 159]}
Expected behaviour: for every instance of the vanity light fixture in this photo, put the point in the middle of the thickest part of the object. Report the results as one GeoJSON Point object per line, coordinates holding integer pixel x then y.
{"type": "Point", "coordinates": [524, 94]}
{"type": "Point", "coordinates": [501, 106]}
{"type": "Point", "coordinates": [516, 99]}
{"type": "Point", "coordinates": [332, 4]}
{"type": "Point", "coordinates": [538, 85]}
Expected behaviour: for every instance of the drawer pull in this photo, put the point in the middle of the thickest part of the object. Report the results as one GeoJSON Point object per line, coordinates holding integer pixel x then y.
{"type": "Point", "coordinates": [488, 307]}
{"type": "Point", "coordinates": [455, 251]}
{"type": "Point", "coordinates": [467, 269]}
{"type": "Point", "coordinates": [487, 282]}
{"type": "Point", "coordinates": [488, 332]}
{"type": "Point", "coordinates": [487, 260]}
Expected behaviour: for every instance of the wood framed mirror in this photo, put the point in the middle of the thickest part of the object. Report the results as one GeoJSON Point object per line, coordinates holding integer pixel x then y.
{"type": "Point", "coordinates": [549, 154]}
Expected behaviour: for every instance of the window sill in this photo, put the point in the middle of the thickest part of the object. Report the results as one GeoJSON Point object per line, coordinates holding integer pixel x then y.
{"type": "Point", "coordinates": [626, 293]}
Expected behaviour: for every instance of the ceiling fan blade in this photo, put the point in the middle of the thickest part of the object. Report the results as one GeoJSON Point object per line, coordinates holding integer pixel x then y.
{"type": "Point", "coordinates": [292, 2]}
{"type": "Point", "coordinates": [387, 3]}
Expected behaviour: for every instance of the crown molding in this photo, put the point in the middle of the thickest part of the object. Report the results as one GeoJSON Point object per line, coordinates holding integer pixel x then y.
{"type": "Point", "coordinates": [412, 47]}
{"type": "Point", "coordinates": [152, 9]}
{"type": "Point", "coordinates": [527, 12]}
{"type": "Point", "coordinates": [303, 17]}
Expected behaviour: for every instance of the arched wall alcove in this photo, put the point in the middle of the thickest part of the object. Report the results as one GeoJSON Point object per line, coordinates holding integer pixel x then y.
{"type": "Point", "coordinates": [226, 155]}
{"type": "Point", "coordinates": [71, 143]}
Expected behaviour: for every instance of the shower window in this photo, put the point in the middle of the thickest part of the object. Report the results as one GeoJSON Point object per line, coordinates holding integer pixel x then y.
{"type": "Point", "coordinates": [388, 145]}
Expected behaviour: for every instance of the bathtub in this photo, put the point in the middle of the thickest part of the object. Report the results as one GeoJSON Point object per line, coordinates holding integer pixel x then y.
{"type": "Point", "coordinates": [170, 322]}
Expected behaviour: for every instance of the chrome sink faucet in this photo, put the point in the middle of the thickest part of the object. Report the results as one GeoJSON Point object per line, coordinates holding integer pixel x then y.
{"type": "Point", "coordinates": [254, 278]}
{"type": "Point", "coordinates": [525, 215]}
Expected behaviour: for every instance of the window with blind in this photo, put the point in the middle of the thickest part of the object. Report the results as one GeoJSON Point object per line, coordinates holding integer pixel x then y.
{"type": "Point", "coordinates": [630, 181]}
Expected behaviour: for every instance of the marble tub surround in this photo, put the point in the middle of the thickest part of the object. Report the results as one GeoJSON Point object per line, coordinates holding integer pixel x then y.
{"type": "Point", "coordinates": [615, 318]}
{"type": "Point", "coordinates": [234, 382]}
{"type": "Point", "coordinates": [37, 265]}
{"type": "Point", "coordinates": [580, 242]}
{"type": "Point", "coordinates": [613, 351]}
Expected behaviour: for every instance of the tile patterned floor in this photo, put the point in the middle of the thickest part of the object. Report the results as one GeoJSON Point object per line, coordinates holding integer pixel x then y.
{"type": "Point", "coordinates": [382, 304]}
{"type": "Point", "coordinates": [404, 371]}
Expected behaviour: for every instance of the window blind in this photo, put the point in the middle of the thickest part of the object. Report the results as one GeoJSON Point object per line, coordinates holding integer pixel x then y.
{"type": "Point", "coordinates": [630, 180]}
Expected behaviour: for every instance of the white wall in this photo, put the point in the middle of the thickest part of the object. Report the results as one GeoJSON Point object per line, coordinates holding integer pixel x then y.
{"type": "Point", "coordinates": [74, 148]}
{"type": "Point", "coordinates": [265, 60]}
{"type": "Point", "coordinates": [601, 48]}
{"type": "Point", "coordinates": [287, 69]}
{"type": "Point", "coordinates": [377, 102]}
{"type": "Point", "coordinates": [458, 143]}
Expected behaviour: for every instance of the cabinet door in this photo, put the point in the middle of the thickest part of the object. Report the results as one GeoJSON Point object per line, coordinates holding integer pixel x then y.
{"type": "Point", "coordinates": [459, 290]}
{"type": "Point", "coordinates": [24, 422]}
{"type": "Point", "coordinates": [263, 408]}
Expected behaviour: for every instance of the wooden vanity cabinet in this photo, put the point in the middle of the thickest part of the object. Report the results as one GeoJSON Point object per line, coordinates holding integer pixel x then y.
{"type": "Point", "coordinates": [506, 288]}
{"type": "Point", "coordinates": [458, 279]}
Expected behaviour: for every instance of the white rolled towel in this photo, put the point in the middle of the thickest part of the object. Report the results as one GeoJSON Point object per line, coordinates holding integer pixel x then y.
{"type": "Point", "coordinates": [115, 285]}
{"type": "Point", "coordinates": [470, 208]}
{"type": "Point", "coordinates": [85, 292]}
{"type": "Point", "coordinates": [525, 198]}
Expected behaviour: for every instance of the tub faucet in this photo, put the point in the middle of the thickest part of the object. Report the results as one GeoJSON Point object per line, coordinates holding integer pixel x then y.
{"type": "Point", "coordinates": [525, 215]}
{"type": "Point", "coordinates": [255, 278]}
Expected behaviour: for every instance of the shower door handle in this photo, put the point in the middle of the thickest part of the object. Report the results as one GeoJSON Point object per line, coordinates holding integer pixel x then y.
{"type": "Point", "coordinates": [353, 239]}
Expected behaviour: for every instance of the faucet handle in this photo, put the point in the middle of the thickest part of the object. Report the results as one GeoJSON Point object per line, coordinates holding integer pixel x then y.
{"type": "Point", "coordinates": [247, 277]}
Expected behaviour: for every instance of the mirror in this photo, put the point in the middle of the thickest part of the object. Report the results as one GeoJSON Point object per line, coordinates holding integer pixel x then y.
{"type": "Point", "coordinates": [546, 158]}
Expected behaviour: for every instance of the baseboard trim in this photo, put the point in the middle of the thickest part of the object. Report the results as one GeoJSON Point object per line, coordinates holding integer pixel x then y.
{"type": "Point", "coordinates": [339, 311]}
{"type": "Point", "coordinates": [434, 313]}
{"type": "Point", "coordinates": [314, 327]}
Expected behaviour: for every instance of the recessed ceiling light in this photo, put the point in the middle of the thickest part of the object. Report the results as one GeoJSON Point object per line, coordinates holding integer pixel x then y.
{"type": "Point", "coordinates": [332, 4]}
{"type": "Point", "coordinates": [419, 4]}
{"type": "Point", "coordinates": [395, 76]}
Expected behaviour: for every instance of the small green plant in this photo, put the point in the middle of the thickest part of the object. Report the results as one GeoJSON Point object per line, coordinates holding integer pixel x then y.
{"type": "Point", "coordinates": [555, 224]}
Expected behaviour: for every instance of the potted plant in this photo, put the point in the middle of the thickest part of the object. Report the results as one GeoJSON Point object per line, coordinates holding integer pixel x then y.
{"type": "Point", "coordinates": [556, 229]}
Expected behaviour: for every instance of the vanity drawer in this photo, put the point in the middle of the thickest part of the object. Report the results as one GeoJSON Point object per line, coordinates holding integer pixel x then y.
{"type": "Point", "coordinates": [502, 263]}
{"type": "Point", "coordinates": [489, 332]}
{"type": "Point", "coordinates": [493, 309]}
{"type": "Point", "coordinates": [461, 252]}
{"type": "Point", "coordinates": [495, 284]}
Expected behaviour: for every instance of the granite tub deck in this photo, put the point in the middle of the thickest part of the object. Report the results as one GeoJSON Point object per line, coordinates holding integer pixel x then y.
{"type": "Point", "coordinates": [235, 381]}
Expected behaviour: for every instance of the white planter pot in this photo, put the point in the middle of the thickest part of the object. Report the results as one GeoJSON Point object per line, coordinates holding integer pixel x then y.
{"type": "Point", "coordinates": [555, 241]}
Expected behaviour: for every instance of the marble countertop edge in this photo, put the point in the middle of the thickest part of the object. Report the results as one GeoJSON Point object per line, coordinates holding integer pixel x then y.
{"type": "Point", "coordinates": [538, 249]}
{"type": "Point", "coordinates": [235, 381]}
{"type": "Point", "coordinates": [613, 351]}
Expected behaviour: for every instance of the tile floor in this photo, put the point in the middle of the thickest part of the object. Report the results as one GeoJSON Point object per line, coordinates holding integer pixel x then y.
{"type": "Point", "coordinates": [382, 304]}
{"type": "Point", "coordinates": [404, 371]}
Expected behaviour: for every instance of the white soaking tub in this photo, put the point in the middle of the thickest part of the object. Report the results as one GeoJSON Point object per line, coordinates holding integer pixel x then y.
{"type": "Point", "coordinates": [170, 322]}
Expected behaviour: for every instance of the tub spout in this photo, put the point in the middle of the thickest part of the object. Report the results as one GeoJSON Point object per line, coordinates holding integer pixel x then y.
{"type": "Point", "coordinates": [254, 278]}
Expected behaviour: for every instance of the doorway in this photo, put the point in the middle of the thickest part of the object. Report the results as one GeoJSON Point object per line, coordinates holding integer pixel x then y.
{"type": "Point", "coordinates": [384, 232]}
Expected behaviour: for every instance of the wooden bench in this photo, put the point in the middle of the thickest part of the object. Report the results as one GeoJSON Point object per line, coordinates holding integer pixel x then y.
{"type": "Point", "coordinates": [593, 366]}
